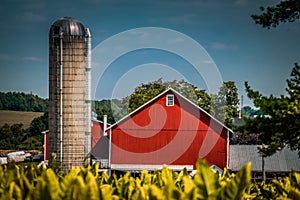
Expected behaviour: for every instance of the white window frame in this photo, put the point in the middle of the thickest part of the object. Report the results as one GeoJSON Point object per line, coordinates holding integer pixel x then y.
{"type": "Point", "coordinates": [170, 102]}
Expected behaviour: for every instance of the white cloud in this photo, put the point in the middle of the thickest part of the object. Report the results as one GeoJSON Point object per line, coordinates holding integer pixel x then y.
{"type": "Point", "coordinates": [241, 3]}
{"type": "Point", "coordinates": [183, 19]}
{"type": "Point", "coordinates": [141, 34]}
{"type": "Point", "coordinates": [187, 19]}
{"type": "Point", "coordinates": [32, 17]}
{"type": "Point", "coordinates": [33, 59]}
{"type": "Point", "coordinates": [222, 46]}
{"type": "Point", "coordinates": [28, 4]}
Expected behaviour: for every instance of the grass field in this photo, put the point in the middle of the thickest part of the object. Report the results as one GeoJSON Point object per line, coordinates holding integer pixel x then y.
{"type": "Point", "coordinates": [17, 117]}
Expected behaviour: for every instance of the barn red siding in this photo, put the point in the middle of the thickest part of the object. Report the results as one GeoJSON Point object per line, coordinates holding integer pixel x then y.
{"type": "Point", "coordinates": [160, 134]}
{"type": "Point", "coordinates": [100, 143]}
{"type": "Point", "coordinates": [46, 145]}
{"type": "Point", "coordinates": [97, 132]}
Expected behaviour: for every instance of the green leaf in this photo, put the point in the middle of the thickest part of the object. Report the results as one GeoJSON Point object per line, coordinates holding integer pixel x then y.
{"type": "Point", "coordinates": [235, 187]}
{"type": "Point", "coordinates": [294, 193]}
{"type": "Point", "coordinates": [48, 186]}
{"type": "Point", "coordinates": [206, 181]}
{"type": "Point", "coordinates": [189, 189]}
{"type": "Point", "coordinates": [155, 193]}
{"type": "Point", "coordinates": [92, 187]}
{"type": "Point", "coordinates": [106, 191]}
{"type": "Point", "coordinates": [14, 192]}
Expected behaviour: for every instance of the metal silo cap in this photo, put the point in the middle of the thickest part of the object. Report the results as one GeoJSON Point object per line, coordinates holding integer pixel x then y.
{"type": "Point", "coordinates": [67, 26]}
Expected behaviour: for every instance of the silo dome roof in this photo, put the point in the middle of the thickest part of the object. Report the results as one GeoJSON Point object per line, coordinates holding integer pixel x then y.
{"type": "Point", "coordinates": [67, 25]}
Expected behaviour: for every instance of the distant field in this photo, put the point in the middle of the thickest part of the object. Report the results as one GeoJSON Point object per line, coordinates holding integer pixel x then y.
{"type": "Point", "coordinates": [17, 117]}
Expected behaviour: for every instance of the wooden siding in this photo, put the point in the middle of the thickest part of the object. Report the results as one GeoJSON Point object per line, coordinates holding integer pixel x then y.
{"type": "Point", "coordinates": [173, 135]}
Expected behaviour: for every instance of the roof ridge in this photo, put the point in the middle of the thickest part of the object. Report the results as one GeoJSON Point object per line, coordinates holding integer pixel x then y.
{"type": "Point", "coordinates": [158, 96]}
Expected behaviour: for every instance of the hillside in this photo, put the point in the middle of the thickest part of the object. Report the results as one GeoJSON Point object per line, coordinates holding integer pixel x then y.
{"type": "Point", "coordinates": [18, 117]}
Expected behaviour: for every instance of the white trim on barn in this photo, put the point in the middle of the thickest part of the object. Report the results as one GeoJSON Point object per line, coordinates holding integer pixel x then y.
{"type": "Point", "coordinates": [138, 167]}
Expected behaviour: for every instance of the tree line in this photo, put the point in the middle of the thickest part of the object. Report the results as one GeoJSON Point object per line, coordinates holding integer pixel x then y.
{"type": "Point", "coordinates": [19, 101]}
{"type": "Point", "coordinates": [16, 136]}
{"type": "Point", "coordinates": [223, 105]}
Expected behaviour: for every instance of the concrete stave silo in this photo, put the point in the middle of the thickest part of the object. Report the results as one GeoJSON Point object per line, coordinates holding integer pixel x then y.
{"type": "Point", "coordinates": [69, 93]}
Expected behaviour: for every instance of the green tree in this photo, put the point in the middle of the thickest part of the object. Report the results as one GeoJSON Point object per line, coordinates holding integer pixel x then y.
{"type": "Point", "coordinates": [111, 108]}
{"type": "Point", "coordinates": [5, 134]}
{"type": "Point", "coordinates": [22, 102]}
{"type": "Point", "coordinates": [17, 137]}
{"type": "Point", "coordinates": [280, 126]}
{"type": "Point", "coordinates": [144, 93]}
{"type": "Point", "coordinates": [12, 136]}
{"type": "Point", "coordinates": [225, 103]}
{"type": "Point", "coordinates": [285, 11]}
{"type": "Point", "coordinates": [204, 100]}
{"type": "Point", "coordinates": [38, 125]}
{"type": "Point", "coordinates": [294, 83]}
{"type": "Point", "coordinates": [148, 91]}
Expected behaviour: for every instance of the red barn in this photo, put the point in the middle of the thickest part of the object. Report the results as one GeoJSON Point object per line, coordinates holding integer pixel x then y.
{"type": "Point", "coordinates": [100, 144]}
{"type": "Point", "coordinates": [171, 130]}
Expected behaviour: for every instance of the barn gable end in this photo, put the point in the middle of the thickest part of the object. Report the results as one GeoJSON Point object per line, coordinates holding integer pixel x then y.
{"type": "Point", "coordinates": [170, 130]}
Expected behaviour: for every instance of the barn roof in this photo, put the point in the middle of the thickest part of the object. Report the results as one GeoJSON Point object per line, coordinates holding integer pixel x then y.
{"type": "Point", "coordinates": [283, 161]}
{"type": "Point", "coordinates": [162, 94]}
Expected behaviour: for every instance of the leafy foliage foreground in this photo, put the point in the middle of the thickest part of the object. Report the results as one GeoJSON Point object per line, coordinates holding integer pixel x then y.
{"type": "Point", "coordinates": [31, 182]}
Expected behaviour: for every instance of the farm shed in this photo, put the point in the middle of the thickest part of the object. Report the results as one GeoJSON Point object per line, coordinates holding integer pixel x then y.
{"type": "Point", "coordinates": [278, 165]}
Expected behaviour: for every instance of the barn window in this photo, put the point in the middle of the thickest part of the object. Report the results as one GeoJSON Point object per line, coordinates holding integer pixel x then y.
{"type": "Point", "coordinates": [170, 100]}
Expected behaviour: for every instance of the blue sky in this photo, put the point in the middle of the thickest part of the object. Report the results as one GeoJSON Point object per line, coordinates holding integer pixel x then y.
{"type": "Point", "coordinates": [241, 50]}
